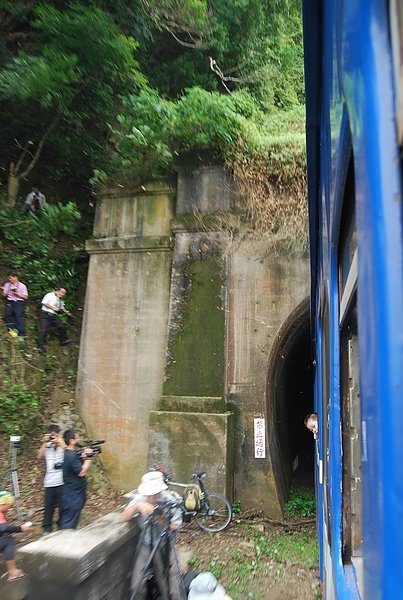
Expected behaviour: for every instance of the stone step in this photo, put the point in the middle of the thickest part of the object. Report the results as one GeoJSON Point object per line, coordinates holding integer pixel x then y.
{"type": "Point", "coordinates": [193, 404]}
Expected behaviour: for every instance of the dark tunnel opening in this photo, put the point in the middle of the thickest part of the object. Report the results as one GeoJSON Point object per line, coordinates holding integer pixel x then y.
{"type": "Point", "coordinates": [297, 395]}
{"type": "Point", "coordinates": [290, 398]}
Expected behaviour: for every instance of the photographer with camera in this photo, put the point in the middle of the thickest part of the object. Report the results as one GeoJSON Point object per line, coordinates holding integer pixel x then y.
{"type": "Point", "coordinates": [15, 294]}
{"type": "Point", "coordinates": [75, 468]}
{"type": "Point", "coordinates": [52, 452]}
{"type": "Point", "coordinates": [52, 306]}
{"type": "Point", "coordinates": [153, 505]}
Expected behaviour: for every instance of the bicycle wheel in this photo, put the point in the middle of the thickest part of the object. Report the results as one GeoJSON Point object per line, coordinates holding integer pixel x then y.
{"type": "Point", "coordinates": [215, 514]}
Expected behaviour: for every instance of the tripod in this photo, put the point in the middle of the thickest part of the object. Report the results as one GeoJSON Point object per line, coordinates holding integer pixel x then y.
{"type": "Point", "coordinates": [156, 549]}
{"type": "Point", "coordinates": [13, 475]}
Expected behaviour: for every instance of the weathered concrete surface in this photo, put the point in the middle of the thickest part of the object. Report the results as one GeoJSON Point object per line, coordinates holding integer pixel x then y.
{"type": "Point", "coordinates": [204, 190]}
{"type": "Point", "coordinates": [229, 295]}
{"type": "Point", "coordinates": [185, 442]}
{"type": "Point", "coordinates": [145, 212]}
{"type": "Point", "coordinates": [122, 350]}
{"type": "Point", "coordinates": [87, 564]}
{"type": "Point", "coordinates": [265, 284]}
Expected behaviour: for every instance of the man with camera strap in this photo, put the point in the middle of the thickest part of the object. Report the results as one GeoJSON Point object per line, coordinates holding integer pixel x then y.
{"type": "Point", "coordinates": [75, 468]}
{"type": "Point", "coordinates": [52, 451]}
{"type": "Point", "coordinates": [151, 498]}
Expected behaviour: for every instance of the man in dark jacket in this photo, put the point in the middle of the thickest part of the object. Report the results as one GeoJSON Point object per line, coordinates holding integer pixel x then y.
{"type": "Point", "coordinates": [74, 492]}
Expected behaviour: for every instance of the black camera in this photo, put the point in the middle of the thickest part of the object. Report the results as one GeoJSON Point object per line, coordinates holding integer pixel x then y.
{"type": "Point", "coordinates": [165, 505]}
{"type": "Point", "coordinates": [58, 465]}
{"type": "Point", "coordinates": [92, 449]}
{"type": "Point", "coordinates": [51, 437]}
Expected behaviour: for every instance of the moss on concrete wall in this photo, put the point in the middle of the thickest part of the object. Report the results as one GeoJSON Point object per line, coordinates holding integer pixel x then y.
{"type": "Point", "coordinates": [196, 364]}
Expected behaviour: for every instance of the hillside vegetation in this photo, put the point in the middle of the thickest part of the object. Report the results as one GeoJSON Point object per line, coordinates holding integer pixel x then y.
{"type": "Point", "coordinates": [109, 90]}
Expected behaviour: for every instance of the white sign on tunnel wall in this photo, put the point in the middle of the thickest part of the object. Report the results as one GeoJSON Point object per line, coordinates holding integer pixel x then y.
{"type": "Point", "coordinates": [260, 438]}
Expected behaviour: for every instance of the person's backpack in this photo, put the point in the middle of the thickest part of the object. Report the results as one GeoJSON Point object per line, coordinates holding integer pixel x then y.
{"type": "Point", "coordinates": [191, 497]}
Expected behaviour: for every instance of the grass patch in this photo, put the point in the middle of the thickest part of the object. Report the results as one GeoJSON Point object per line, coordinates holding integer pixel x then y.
{"type": "Point", "coordinates": [251, 561]}
{"type": "Point", "coordinates": [299, 548]}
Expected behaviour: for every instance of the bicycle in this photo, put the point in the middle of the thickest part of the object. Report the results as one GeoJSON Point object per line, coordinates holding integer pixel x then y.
{"type": "Point", "coordinates": [215, 512]}
{"type": "Point", "coordinates": [154, 560]}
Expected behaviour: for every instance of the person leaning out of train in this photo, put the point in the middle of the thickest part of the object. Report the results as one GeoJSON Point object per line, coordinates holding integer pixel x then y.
{"type": "Point", "coordinates": [311, 423]}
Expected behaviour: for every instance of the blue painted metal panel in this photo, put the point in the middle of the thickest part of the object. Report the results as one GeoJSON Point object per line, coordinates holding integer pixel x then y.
{"type": "Point", "coordinates": [349, 84]}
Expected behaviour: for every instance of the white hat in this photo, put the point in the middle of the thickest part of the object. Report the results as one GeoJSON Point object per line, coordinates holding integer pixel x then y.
{"type": "Point", "coordinates": [152, 483]}
{"type": "Point", "coordinates": [206, 587]}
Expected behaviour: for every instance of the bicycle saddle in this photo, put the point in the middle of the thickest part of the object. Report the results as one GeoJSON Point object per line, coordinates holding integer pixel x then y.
{"type": "Point", "coordinates": [199, 474]}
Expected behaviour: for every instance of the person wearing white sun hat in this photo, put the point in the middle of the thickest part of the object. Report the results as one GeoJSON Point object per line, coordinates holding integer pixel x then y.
{"type": "Point", "coordinates": [152, 492]}
{"type": "Point", "coordinates": [206, 587]}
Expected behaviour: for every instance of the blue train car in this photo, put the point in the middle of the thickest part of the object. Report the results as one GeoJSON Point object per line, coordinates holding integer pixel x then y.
{"type": "Point", "coordinates": [354, 91]}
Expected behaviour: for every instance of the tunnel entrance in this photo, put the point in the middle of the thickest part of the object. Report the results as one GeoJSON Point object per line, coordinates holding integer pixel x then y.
{"type": "Point", "coordinates": [289, 399]}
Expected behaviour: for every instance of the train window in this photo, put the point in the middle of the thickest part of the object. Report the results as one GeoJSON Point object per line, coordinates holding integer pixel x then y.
{"type": "Point", "coordinates": [351, 435]}
{"type": "Point", "coordinates": [350, 378]}
{"type": "Point", "coordinates": [348, 240]}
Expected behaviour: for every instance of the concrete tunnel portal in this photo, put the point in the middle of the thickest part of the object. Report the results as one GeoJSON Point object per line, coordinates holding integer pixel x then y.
{"type": "Point", "coordinates": [289, 398]}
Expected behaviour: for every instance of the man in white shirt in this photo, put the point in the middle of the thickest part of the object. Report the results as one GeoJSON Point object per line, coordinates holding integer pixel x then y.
{"type": "Point", "coordinates": [52, 451]}
{"type": "Point", "coordinates": [52, 305]}
{"type": "Point", "coordinates": [34, 202]}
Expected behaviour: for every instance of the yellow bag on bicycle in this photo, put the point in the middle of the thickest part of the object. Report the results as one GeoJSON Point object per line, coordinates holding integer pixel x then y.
{"type": "Point", "coordinates": [191, 497]}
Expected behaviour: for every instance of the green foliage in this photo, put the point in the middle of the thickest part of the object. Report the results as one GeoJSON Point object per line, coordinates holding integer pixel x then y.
{"type": "Point", "coordinates": [194, 562]}
{"type": "Point", "coordinates": [41, 230]}
{"type": "Point", "coordinates": [256, 45]}
{"type": "Point", "coordinates": [181, 15]}
{"type": "Point", "coordinates": [20, 409]}
{"type": "Point", "coordinates": [83, 56]}
{"type": "Point", "coordinates": [69, 77]}
{"type": "Point", "coordinates": [142, 137]}
{"type": "Point", "coordinates": [68, 63]}
{"type": "Point", "coordinates": [41, 256]}
{"type": "Point", "coordinates": [301, 503]}
{"type": "Point", "coordinates": [154, 133]}
{"type": "Point", "coordinates": [236, 507]}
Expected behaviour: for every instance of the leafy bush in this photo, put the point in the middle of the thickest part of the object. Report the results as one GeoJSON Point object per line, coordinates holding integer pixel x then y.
{"type": "Point", "coordinates": [41, 257]}
{"type": "Point", "coordinates": [20, 409]}
{"type": "Point", "coordinates": [153, 134]}
{"type": "Point", "coordinates": [41, 231]}
{"type": "Point", "coordinates": [265, 152]}
{"type": "Point", "coordinates": [300, 504]}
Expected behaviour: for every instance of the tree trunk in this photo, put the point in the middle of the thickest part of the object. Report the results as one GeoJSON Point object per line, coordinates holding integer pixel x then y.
{"type": "Point", "coordinates": [16, 173]}
{"type": "Point", "coordinates": [13, 188]}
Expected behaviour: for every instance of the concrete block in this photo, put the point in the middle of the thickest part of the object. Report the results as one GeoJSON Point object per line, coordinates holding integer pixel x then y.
{"type": "Point", "coordinates": [187, 442]}
{"type": "Point", "coordinates": [206, 190]}
{"type": "Point", "coordinates": [87, 564]}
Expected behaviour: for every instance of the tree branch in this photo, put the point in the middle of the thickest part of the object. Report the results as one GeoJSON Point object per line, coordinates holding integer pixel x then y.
{"type": "Point", "coordinates": [38, 151]}
{"type": "Point", "coordinates": [223, 77]}
{"type": "Point", "coordinates": [176, 25]}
